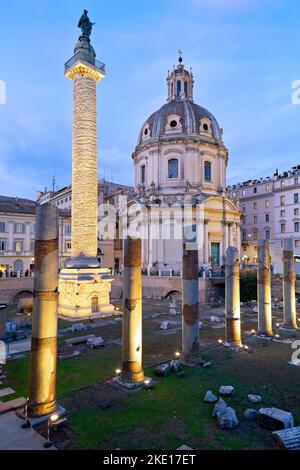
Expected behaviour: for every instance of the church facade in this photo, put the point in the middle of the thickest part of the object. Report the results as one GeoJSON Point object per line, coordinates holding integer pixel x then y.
{"type": "Point", "coordinates": [180, 163]}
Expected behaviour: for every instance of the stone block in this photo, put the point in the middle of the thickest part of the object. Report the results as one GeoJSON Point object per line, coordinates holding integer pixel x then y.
{"type": "Point", "coordinates": [275, 419]}
{"type": "Point", "coordinates": [210, 397]}
{"type": "Point", "coordinates": [288, 438]}
{"type": "Point", "coordinates": [227, 418]}
{"type": "Point", "coordinates": [220, 406]}
{"type": "Point", "coordinates": [254, 398]}
{"type": "Point", "coordinates": [227, 390]}
{"type": "Point", "coordinates": [162, 370]}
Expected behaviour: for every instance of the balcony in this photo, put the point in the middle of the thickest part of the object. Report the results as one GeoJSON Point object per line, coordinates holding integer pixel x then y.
{"type": "Point", "coordinates": [85, 59]}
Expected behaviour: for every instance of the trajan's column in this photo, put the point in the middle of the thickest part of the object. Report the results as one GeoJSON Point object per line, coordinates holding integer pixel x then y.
{"type": "Point", "coordinates": [84, 287]}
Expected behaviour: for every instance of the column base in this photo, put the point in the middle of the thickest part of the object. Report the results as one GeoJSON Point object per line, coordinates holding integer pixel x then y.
{"type": "Point", "coordinates": [127, 383]}
{"type": "Point", "coordinates": [84, 293]}
{"type": "Point", "coordinates": [41, 409]}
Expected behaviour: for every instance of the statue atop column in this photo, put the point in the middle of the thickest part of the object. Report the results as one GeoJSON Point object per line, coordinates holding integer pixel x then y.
{"type": "Point", "coordinates": [85, 24]}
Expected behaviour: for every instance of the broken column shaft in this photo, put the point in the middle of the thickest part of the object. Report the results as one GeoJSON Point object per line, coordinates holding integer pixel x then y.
{"type": "Point", "coordinates": [44, 320]}
{"type": "Point", "coordinates": [264, 289]}
{"type": "Point", "coordinates": [132, 370]}
{"type": "Point", "coordinates": [190, 296]}
{"type": "Point", "coordinates": [232, 297]}
{"type": "Point", "coordinates": [288, 279]}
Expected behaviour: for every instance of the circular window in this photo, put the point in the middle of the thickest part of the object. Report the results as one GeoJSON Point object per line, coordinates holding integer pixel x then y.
{"type": "Point", "coordinates": [146, 131]}
{"type": "Point", "coordinates": [205, 127]}
{"type": "Point", "coordinates": [173, 123]}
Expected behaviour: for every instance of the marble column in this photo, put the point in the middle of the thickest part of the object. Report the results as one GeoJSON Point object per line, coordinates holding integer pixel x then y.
{"type": "Point", "coordinates": [288, 278]}
{"type": "Point", "coordinates": [132, 369]}
{"type": "Point", "coordinates": [190, 295]}
{"type": "Point", "coordinates": [84, 287]}
{"type": "Point", "coordinates": [44, 320]}
{"type": "Point", "coordinates": [232, 297]}
{"type": "Point", "coordinates": [264, 289]}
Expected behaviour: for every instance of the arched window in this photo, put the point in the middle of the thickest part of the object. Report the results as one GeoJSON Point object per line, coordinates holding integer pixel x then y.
{"type": "Point", "coordinates": [172, 90]}
{"type": "Point", "coordinates": [143, 174]}
{"type": "Point", "coordinates": [173, 168]}
{"type": "Point", "coordinates": [186, 89]}
{"type": "Point", "coordinates": [207, 171]}
{"type": "Point", "coordinates": [178, 88]}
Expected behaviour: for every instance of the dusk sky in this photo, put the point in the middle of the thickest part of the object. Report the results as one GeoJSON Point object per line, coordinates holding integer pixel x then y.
{"type": "Point", "coordinates": [245, 54]}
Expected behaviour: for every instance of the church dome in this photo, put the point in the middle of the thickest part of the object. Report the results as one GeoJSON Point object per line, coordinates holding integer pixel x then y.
{"type": "Point", "coordinates": [180, 117]}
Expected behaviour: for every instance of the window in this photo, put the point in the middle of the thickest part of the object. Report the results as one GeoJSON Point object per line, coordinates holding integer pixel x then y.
{"type": "Point", "coordinates": [296, 198]}
{"type": "Point", "coordinates": [282, 228]}
{"type": "Point", "coordinates": [244, 237]}
{"type": "Point", "coordinates": [282, 200]}
{"type": "Point", "coordinates": [267, 217]}
{"type": "Point", "coordinates": [18, 247]}
{"type": "Point", "coordinates": [67, 246]}
{"type": "Point", "coordinates": [19, 228]}
{"type": "Point", "coordinates": [296, 226]}
{"type": "Point", "coordinates": [32, 245]}
{"type": "Point", "coordinates": [297, 243]}
{"type": "Point", "coordinates": [255, 190]}
{"type": "Point", "coordinates": [2, 245]}
{"type": "Point", "coordinates": [2, 226]}
{"type": "Point", "coordinates": [186, 89]}
{"type": "Point", "coordinates": [207, 171]}
{"type": "Point", "coordinates": [173, 123]}
{"type": "Point", "coordinates": [33, 228]}
{"type": "Point", "coordinates": [295, 180]}
{"type": "Point", "coordinates": [143, 174]}
{"type": "Point", "coordinates": [173, 168]}
{"type": "Point", "coordinates": [296, 211]}
{"type": "Point", "coordinates": [282, 184]}
{"type": "Point", "coordinates": [178, 89]}
{"type": "Point", "coordinates": [255, 219]}
{"type": "Point", "coordinates": [243, 192]}
{"type": "Point", "coordinates": [68, 230]}
{"type": "Point", "coordinates": [244, 219]}
{"type": "Point", "coordinates": [267, 234]}
{"type": "Point", "coordinates": [282, 213]}
{"type": "Point", "coordinates": [267, 188]}
{"type": "Point", "coordinates": [255, 235]}
{"type": "Point", "coordinates": [255, 205]}
{"type": "Point", "coordinates": [267, 203]}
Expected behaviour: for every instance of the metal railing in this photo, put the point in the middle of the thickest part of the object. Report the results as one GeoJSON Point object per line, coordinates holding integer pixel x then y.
{"type": "Point", "coordinates": [86, 58]}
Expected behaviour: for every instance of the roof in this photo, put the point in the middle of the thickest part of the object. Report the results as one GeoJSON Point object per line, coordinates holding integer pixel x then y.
{"type": "Point", "coordinates": [17, 205]}
{"type": "Point", "coordinates": [190, 114]}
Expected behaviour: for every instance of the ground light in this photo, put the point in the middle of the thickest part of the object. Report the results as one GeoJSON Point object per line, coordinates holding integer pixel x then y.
{"type": "Point", "coordinates": [118, 371]}
{"type": "Point", "coordinates": [53, 418]}
{"type": "Point", "coordinates": [177, 354]}
{"type": "Point", "coordinates": [220, 341]}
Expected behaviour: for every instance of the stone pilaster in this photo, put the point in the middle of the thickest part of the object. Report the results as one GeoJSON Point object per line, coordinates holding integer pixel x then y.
{"type": "Point", "coordinates": [232, 297]}
{"type": "Point", "coordinates": [264, 289]}
{"type": "Point", "coordinates": [288, 279]}
{"type": "Point", "coordinates": [44, 320]}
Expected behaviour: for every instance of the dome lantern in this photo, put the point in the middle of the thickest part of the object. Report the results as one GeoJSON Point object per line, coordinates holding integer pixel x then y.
{"type": "Point", "coordinates": [180, 82]}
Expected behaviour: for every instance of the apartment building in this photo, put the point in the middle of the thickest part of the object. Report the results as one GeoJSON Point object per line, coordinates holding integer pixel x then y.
{"type": "Point", "coordinates": [271, 211]}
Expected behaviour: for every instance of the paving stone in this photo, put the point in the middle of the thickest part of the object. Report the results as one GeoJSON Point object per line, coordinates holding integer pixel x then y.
{"type": "Point", "coordinates": [6, 391]}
